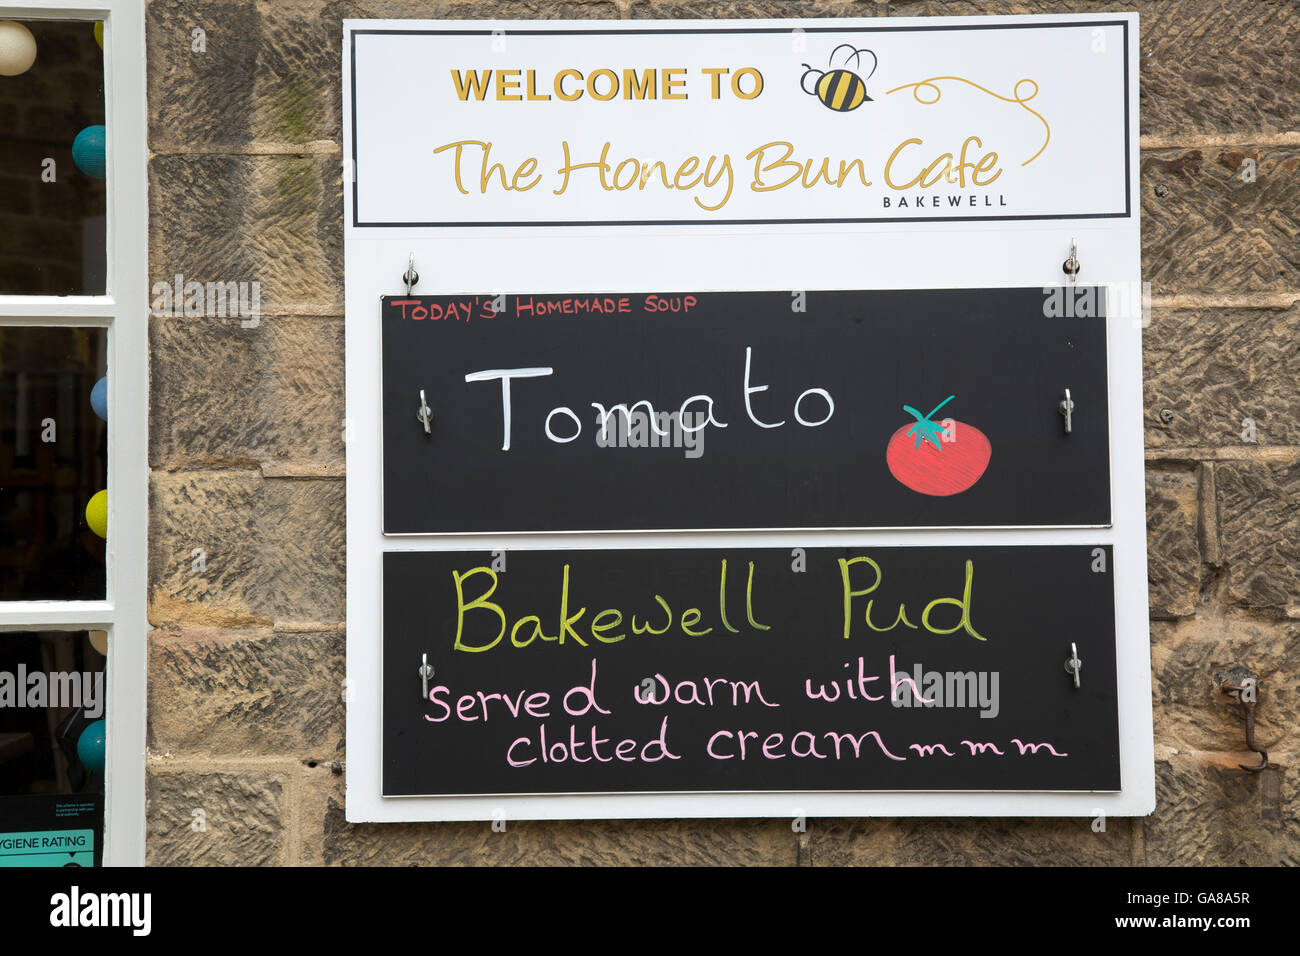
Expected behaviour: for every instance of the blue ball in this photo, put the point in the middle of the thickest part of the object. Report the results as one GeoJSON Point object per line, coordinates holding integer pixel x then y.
{"type": "Point", "coordinates": [88, 152]}
{"type": "Point", "coordinates": [90, 746]}
{"type": "Point", "coordinates": [99, 398]}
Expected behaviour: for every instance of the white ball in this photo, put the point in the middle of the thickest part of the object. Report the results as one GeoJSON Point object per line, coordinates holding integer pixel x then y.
{"type": "Point", "coordinates": [17, 48]}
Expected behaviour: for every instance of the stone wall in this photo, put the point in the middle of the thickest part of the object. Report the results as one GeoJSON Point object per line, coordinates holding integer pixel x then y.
{"type": "Point", "coordinates": [246, 658]}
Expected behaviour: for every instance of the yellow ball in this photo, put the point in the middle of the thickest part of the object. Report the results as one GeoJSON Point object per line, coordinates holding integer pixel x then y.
{"type": "Point", "coordinates": [99, 33]}
{"type": "Point", "coordinates": [17, 48]}
{"type": "Point", "coordinates": [97, 514]}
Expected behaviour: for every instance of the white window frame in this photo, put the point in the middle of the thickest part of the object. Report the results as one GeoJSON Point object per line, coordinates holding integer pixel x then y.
{"type": "Point", "coordinates": [124, 312]}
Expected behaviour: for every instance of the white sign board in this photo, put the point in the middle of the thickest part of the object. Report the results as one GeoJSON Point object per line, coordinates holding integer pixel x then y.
{"type": "Point", "coordinates": [754, 124]}
{"type": "Point", "coordinates": [689, 156]}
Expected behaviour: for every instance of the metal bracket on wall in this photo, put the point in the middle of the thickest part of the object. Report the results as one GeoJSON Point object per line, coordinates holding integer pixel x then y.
{"type": "Point", "coordinates": [426, 671]}
{"type": "Point", "coordinates": [1066, 408]}
{"type": "Point", "coordinates": [424, 416]}
{"type": "Point", "coordinates": [1244, 684]}
{"type": "Point", "coordinates": [410, 276]}
{"type": "Point", "coordinates": [1073, 665]}
{"type": "Point", "coordinates": [1071, 265]}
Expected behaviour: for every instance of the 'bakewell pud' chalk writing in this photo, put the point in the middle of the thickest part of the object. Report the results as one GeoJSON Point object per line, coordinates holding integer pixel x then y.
{"type": "Point", "coordinates": [482, 623]}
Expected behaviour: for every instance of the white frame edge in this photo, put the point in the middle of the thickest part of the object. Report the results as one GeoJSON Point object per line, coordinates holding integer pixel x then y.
{"type": "Point", "coordinates": [1011, 254]}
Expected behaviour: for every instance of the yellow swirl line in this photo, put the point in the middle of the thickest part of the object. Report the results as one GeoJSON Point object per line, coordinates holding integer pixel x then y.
{"type": "Point", "coordinates": [1023, 101]}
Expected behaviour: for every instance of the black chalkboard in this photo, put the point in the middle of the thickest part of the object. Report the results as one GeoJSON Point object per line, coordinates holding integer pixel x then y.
{"type": "Point", "coordinates": [737, 665]}
{"type": "Point", "coordinates": [994, 361]}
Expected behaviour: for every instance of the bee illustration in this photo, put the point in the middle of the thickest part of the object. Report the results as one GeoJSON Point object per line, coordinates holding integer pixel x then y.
{"type": "Point", "coordinates": [838, 87]}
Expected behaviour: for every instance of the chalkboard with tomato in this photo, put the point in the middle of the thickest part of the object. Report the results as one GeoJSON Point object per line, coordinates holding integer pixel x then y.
{"type": "Point", "coordinates": [744, 410]}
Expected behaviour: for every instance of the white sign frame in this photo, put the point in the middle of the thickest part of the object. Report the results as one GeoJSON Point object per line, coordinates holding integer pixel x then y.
{"type": "Point", "coordinates": [810, 256]}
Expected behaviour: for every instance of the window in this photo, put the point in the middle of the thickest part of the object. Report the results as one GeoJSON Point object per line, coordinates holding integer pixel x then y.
{"type": "Point", "coordinates": [73, 407]}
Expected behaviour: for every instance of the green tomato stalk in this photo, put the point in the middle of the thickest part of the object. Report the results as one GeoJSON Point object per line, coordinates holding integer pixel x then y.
{"type": "Point", "coordinates": [926, 428]}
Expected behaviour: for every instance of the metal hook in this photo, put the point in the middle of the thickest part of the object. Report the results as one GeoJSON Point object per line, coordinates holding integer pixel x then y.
{"type": "Point", "coordinates": [425, 673]}
{"type": "Point", "coordinates": [425, 415]}
{"type": "Point", "coordinates": [1066, 408]}
{"type": "Point", "coordinates": [1244, 683]}
{"type": "Point", "coordinates": [1071, 265]}
{"type": "Point", "coordinates": [410, 276]}
{"type": "Point", "coordinates": [1074, 665]}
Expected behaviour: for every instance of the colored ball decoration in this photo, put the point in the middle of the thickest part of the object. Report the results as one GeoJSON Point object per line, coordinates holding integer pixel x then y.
{"type": "Point", "coordinates": [99, 398]}
{"type": "Point", "coordinates": [90, 746]}
{"type": "Point", "coordinates": [99, 33]}
{"type": "Point", "coordinates": [17, 48]}
{"type": "Point", "coordinates": [88, 152]}
{"type": "Point", "coordinates": [97, 513]}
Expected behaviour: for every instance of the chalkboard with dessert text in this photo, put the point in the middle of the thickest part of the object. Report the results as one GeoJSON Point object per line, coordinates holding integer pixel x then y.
{"type": "Point", "coordinates": [745, 410]}
{"type": "Point", "coordinates": [741, 669]}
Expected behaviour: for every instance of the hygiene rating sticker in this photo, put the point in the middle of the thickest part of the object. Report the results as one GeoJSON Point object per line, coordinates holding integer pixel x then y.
{"type": "Point", "coordinates": [48, 848]}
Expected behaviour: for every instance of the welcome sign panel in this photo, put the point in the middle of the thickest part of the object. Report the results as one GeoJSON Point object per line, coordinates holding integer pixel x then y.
{"type": "Point", "coordinates": [700, 123]}
{"type": "Point", "coordinates": [869, 668]}
{"type": "Point", "coordinates": [724, 410]}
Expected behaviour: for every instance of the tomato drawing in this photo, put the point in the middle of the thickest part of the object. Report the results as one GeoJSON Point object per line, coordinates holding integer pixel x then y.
{"type": "Point", "coordinates": [934, 461]}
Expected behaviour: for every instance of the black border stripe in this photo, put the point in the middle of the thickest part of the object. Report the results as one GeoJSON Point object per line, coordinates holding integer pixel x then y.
{"type": "Point", "coordinates": [352, 64]}
{"type": "Point", "coordinates": [356, 175]}
{"type": "Point", "coordinates": [1128, 179]}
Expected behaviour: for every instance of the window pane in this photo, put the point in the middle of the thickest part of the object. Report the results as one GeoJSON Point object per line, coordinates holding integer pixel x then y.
{"type": "Point", "coordinates": [52, 186]}
{"type": "Point", "coordinates": [53, 694]}
{"type": "Point", "coordinates": [53, 463]}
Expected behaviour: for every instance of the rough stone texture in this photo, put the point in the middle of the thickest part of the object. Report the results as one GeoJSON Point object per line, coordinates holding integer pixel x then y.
{"type": "Point", "coordinates": [269, 395]}
{"type": "Point", "coordinates": [1213, 368]}
{"type": "Point", "coordinates": [272, 69]}
{"type": "Point", "coordinates": [274, 549]}
{"type": "Point", "coordinates": [754, 9]}
{"type": "Point", "coordinates": [1208, 810]}
{"type": "Point", "coordinates": [246, 692]}
{"type": "Point", "coordinates": [1208, 814]}
{"type": "Point", "coordinates": [941, 842]}
{"type": "Point", "coordinates": [1259, 527]}
{"type": "Point", "coordinates": [481, 9]}
{"type": "Point", "coordinates": [243, 816]}
{"type": "Point", "coordinates": [1173, 552]}
{"type": "Point", "coordinates": [198, 98]}
{"type": "Point", "coordinates": [1210, 66]}
{"type": "Point", "coordinates": [275, 220]}
{"type": "Point", "coordinates": [559, 843]}
{"type": "Point", "coordinates": [1191, 716]}
{"type": "Point", "coordinates": [1206, 66]}
{"type": "Point", "coordinates": [1206, 230]}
